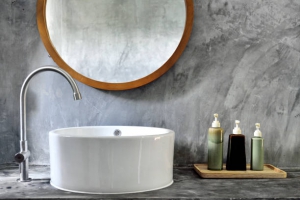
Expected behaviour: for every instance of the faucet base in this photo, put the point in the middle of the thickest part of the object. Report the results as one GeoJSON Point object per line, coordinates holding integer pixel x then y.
{"type": "Point", "coordinates": [27, 180]}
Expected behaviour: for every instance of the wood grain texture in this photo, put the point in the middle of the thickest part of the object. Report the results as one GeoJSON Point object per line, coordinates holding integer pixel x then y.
{"type": "Point", "coordinates": [44, 33]}
{"type": "Point", "coordinates": [269, 172]}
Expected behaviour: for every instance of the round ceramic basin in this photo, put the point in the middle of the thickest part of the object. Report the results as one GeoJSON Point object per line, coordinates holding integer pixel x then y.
{"type": "Point", "coordinates": [111, 159]}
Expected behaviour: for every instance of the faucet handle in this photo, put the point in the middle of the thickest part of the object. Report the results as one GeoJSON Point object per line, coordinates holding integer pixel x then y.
{"type": "Point", "coordinates": [21, 156]}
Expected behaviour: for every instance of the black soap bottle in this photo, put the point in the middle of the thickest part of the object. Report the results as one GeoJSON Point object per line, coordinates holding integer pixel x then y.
{"type": "Point", "coordinates": [236, 155]}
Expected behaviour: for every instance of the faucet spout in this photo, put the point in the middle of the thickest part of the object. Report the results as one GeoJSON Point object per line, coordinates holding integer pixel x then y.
{"type": "Point", "coordinates": [23, 155]}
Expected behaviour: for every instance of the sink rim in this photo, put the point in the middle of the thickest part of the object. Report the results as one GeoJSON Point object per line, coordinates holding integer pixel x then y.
{"type": "Point", "coordinates": [57, 132]}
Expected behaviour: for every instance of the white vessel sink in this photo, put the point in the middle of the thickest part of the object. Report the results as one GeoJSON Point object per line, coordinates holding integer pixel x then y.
{"type": "Point", "coordinates": [96, 160]}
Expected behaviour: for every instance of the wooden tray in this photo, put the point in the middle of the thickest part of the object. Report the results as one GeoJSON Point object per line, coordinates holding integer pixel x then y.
{"type": "Point", "coordinates": [269, 172]}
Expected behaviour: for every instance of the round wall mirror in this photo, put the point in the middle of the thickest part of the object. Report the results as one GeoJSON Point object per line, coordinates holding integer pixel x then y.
{"type": "Point", "coordinates": [115, 44]}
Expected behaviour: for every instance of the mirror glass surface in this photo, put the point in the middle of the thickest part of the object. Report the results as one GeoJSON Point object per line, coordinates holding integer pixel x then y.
{"type": "Point", "coordinates": [115, 41]}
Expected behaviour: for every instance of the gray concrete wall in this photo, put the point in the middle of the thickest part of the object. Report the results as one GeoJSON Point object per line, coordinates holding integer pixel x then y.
{"type": "Point", "coordinates": [242, 61]}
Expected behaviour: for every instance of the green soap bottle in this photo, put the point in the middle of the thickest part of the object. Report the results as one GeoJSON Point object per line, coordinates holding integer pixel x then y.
{"type": "Point", "coordinates": [257, 150]}
{"type": "Point", "coordinates": [215, 146]}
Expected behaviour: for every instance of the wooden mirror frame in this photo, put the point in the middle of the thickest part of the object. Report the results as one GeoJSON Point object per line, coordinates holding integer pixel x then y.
{"type": "Point", "coordinates": [42, 27]}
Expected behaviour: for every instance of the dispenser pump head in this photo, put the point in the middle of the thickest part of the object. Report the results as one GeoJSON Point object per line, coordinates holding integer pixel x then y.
{"type": "Point", "coordinates": [216, 123]}
{"type": "Point", "coordinates": [257, 132]}
{"type": "Point", "coordinates": [237, 129]}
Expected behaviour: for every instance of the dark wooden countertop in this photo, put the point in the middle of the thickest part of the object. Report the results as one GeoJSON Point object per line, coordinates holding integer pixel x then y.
{"type": "Point", "coordinates": [187, 185]}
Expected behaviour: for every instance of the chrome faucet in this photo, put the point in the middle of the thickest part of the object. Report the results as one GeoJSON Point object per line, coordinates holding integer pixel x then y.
{"type": "Point", "coordinates": [23, 155]}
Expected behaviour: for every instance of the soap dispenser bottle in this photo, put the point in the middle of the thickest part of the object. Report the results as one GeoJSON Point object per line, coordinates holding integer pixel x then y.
{"type": "Point", "coordinates": [215, 146]}
{"type": "Point", "coordinates": [236, 155]}
{"type": "Point", "coordinates": [257, 150]}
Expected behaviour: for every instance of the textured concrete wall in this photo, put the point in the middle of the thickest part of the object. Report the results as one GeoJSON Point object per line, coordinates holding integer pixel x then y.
{"type": "Point", "coordinates": [242, 61]}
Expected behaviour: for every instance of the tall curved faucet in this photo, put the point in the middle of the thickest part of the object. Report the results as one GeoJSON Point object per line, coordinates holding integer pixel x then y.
{"type": "Point", "coordinates": [23, 155]}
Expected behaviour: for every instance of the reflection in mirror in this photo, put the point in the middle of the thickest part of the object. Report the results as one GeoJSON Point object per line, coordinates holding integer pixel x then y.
{"type": "Point", "coordinates": [115, 41]}
{"type": "Point", "coordinates": [115, 44]}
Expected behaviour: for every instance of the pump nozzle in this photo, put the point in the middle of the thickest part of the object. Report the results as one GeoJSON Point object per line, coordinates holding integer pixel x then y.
{"type": "Point", "coordinates": [216, 123]}
{"type": "Point", "coordinates": [237, 129]}
{"type": "Point", "coordinates": [257, 125]}
{"type": "Point", "coordinates": [216, 116]}
{"type": "Point", "coordinates": [257, 132]}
